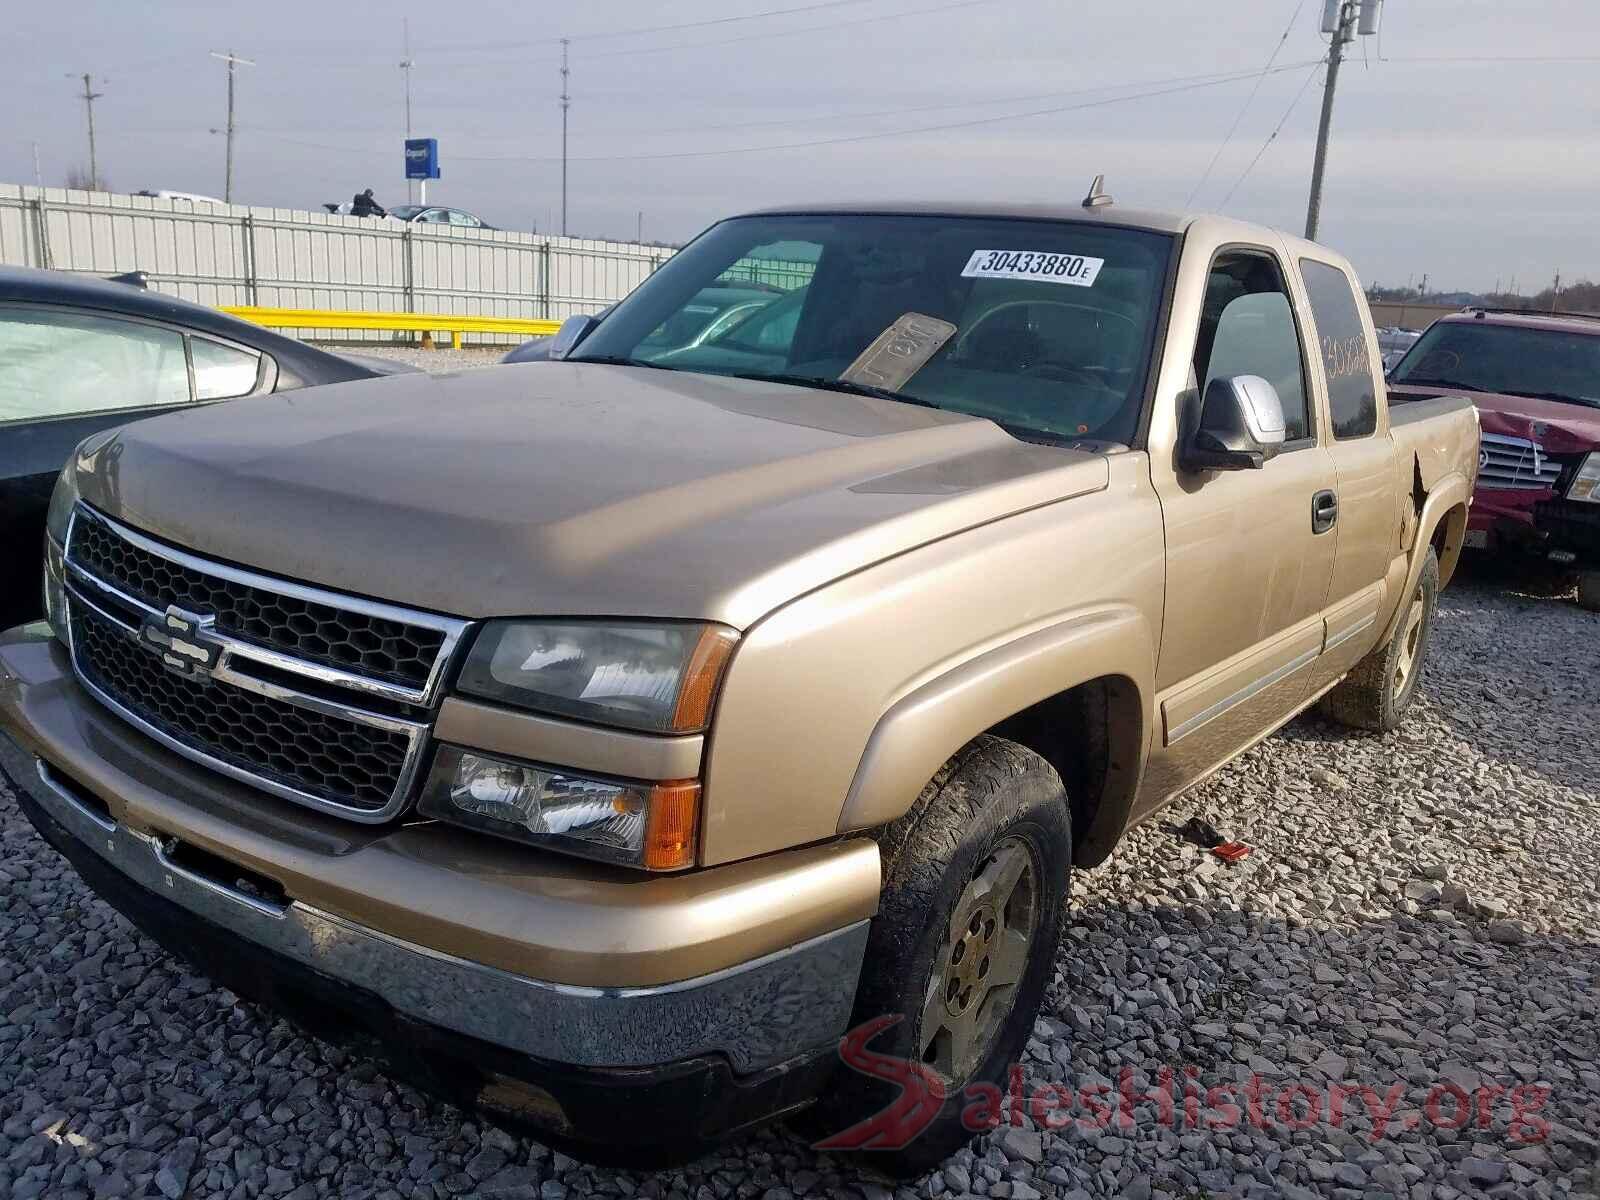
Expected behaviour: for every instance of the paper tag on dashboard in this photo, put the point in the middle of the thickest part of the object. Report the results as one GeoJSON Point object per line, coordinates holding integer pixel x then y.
{"type": "Point", "coordinates": [1039, 266]}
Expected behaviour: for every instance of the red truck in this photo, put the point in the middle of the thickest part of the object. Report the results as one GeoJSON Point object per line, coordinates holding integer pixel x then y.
{"type": "Point", "coordinates": [1535, 378]}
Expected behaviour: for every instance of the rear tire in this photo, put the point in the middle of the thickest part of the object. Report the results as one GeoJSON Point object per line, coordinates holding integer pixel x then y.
{"type": "Point", "coordinates": [1379, 690]}
{"type": "Point", "coordinates": [1589, 590]}
{"type": "Point", "coordinates": [986, 847]}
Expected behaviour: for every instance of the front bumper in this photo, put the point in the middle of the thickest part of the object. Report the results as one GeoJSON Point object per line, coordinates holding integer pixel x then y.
{"type": "Point", "coordinates": [715, 1050]}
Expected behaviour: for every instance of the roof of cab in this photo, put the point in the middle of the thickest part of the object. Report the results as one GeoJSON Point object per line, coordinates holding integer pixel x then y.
{"type": "Point", "coordinates": [1107, 214]}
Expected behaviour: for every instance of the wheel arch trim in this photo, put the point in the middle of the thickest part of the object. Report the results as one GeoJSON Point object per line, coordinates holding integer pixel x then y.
{"type": "Point", "coordinates": [925, 727]}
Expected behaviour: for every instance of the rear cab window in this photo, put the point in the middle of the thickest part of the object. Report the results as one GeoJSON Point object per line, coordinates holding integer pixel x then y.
{"type": "Point", "coordinates": [1342, 340]}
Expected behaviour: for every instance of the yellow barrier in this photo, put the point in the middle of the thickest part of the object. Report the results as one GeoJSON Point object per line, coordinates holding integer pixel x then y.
{"type": "Point", "coordinates": [424, 323]}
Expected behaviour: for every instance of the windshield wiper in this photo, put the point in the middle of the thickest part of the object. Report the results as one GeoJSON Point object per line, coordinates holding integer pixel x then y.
{"type": "Point", "coordinates": [1418, 381]}
{"type": "Point", "coordinates": [622, 360]}
{"type": "Point", "coordinates": [838, 385]}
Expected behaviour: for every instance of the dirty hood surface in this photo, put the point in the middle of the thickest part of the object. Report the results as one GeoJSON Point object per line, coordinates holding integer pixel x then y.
{"type": "Point", "coordinates": [570, 488]}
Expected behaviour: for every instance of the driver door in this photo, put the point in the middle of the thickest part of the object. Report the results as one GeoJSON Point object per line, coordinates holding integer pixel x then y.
{"type": "Point", "coordinates": [1247, 572]}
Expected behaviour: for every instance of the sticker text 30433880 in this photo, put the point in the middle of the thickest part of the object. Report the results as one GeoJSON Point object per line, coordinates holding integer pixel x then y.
{"type": "Point", "coordinates": [1042, 266]}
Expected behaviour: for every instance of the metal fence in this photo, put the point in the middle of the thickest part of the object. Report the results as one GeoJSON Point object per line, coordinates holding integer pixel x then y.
{"type": "Point", "coordinates": [229, 254]}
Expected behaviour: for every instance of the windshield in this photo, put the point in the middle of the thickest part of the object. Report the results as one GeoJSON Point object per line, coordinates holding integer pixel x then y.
{"type": "Point", "coordinates": [1053, 321]}
{"type": "Point", "coordinates": [405, 211]}
{"type": "Point", "coordinates": [1477, 356]}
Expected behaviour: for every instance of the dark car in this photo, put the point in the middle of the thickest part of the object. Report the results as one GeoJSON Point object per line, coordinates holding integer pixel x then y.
{"type": "Point", "coordinates": [80, 354]}
{"type": "Point", "coordinates": [1535, 379]}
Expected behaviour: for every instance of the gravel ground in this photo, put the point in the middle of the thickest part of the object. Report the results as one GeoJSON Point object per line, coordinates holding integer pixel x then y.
{"type": "Point", "coordinates": [1419, 918]}
{"type": "Point", "coordinates": [437, 360]}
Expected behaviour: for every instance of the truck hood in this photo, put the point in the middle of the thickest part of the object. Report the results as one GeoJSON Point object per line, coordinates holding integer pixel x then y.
{"type": "Point", "coordinates": [570, 488]}
{"type": "Point", "coordinates": [1558, 427]}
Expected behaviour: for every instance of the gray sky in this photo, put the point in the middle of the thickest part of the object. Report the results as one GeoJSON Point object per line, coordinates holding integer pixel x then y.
{"type": "Point", "coordinates": [1475, 169]}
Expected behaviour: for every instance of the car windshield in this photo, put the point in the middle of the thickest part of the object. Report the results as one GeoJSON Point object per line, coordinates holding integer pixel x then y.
{"type": "Point", "coordinates": [405, 211]}
{"type": "Point", "coordinates": [1044, 326]}
{"type": "Point", "coordinates": [1515, 360]}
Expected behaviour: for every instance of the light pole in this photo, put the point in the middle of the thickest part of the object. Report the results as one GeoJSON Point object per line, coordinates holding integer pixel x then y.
{"type": "Point", "coordinates": [406, 64]}
{"type": "Point", "coordinates": [233, 61]}
{"type": "Point", "coordinates": [566, 103]}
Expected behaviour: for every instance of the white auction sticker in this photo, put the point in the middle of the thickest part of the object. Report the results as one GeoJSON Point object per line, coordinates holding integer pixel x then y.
{"type": "Point", "coordinates": [1044, 267]}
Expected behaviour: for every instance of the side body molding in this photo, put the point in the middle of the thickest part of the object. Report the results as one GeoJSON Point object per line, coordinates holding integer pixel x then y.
{"type": "Point", "coordinates": [931, 723]}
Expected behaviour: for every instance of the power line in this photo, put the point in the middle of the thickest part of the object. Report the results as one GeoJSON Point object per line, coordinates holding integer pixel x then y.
{"type": "Point", "coordinates": [1212, 76]}
{"type": "Point", "coordinates": [1493, 58]}
{"type": "Point", "coordinates": [1273, 136]}
{"type": "Point", "coordinates": [643, 30]}
{"type": "Point", "coordinates": [1243, 108]}
{"type": "Point", "coordinates": [777, 33]}
{"type": "Point", "coordinates": [1151, 92]}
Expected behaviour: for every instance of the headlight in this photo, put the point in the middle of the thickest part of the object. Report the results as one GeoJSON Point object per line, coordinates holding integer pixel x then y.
{"type": "Point", "coordinates": [55, 539]}
{"type": "Point", "coordinates": [55, 595]}
{"type": "Point", "coordinates": [1586, 483]}
{"type": "Point", "coordinates": [658, 677]}
{"type": "Point", "coordinates": [636, 824]}
{"type": "Point", "coordinates": [61, 504]}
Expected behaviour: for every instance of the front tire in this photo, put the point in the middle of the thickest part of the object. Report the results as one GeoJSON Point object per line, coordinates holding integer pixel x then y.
{"type": "Point", "coordinates": [1589, 591]}
{"type": "Point", "coordinates": [1379, 690]}
{"type": "Point", "coordinates": [975, 885]}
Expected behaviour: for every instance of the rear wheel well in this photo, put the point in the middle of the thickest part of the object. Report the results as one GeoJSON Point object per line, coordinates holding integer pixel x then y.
{"type": "Point", "coordinates": [1449, 537]}
{"type": "Point", "coordinates": [1093, 735]}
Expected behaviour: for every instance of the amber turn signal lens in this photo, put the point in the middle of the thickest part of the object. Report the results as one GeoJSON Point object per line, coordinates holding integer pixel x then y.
{"type": "Point", "coordinates": [673, 825]}
{"type": "Point", "coordinates": [701, 676]}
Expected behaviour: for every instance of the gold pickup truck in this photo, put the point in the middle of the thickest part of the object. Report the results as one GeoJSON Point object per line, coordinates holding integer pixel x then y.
{"type": "Point", "coordinates": [601, 740]}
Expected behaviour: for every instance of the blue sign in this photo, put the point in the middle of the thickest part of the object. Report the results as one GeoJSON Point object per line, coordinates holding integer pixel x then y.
{"type": "Point", "coordinates": [422, 158]}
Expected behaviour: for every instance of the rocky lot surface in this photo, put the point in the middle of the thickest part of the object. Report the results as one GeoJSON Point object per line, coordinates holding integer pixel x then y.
{"type": "Point", "coordinates": [1415, 938]}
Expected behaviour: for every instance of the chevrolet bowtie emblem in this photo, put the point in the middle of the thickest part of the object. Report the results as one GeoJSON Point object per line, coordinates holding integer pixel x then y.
{"type": "Point", "coordinates": [183, 641]}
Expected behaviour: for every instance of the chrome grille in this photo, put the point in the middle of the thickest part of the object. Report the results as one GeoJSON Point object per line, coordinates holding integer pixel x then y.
{"type": "Point", "coordinates": [1513, 462]}
{"type": "Point", "coordinates": [346, 736]}
{"type": "Point", "coordinates": [323, 633]}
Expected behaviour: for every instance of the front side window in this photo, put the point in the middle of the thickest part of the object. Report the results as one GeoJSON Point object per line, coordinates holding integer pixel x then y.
{"type": "Point", "coordinates": [1342, 338]}
{"type": "Point", "coordinates": [1247, 327]}
{"type": "Point", "coordinates": [60, 364]}
{"type": "Point", "coordinates": [1053, 321]}
{"type": "Point", "coordinates": [222, 372]}
{"type": "Point", "coordinates": [1515, 360]}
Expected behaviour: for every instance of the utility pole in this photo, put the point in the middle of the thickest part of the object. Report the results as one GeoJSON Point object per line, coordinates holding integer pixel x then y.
{"type": "Point", "coordinates": [566, 103]}
{"type": "Point", "coordinates": [233, 61]}
{"type": "Point", "coordinates": [38, 179]}
{"type": "Point", "coordinates": [89, 97]}
{"type": "Point", "coordinates": [406, 64]}
{"type": "Point", "coordinates": [1555, 293]}
{"type": "Point", "coordinates": [1343, 19]}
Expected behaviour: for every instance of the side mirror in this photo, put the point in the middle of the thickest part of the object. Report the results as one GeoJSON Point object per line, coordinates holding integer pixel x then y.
{"type": "Point", "coordinates": [573, 330]}
{"type": "Point", "coordinates": [1241, 426]}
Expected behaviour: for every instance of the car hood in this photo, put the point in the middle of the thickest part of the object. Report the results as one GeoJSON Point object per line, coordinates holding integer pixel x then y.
{"type": "Point", "coordinates": [570, 488]}
{"type": "Point", "coordinates": [1558, 427]}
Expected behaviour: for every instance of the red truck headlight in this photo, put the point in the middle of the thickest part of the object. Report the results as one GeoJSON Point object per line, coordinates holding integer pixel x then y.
{"type": "Point", "coordinates": [1586, 483]}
